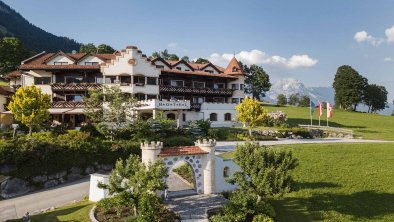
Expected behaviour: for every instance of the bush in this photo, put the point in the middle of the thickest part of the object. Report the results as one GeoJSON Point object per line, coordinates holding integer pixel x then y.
{"type": "Point", "coordinates": [304, 133]}
{"type": "Point", "coordinates": [178, 141]}
{"type": "Point", "coordinates": [226, 134]}
{"type": "Point", "coordinates": [186, 172]}
{"type": "Point", "coordinates": [277, 119]}
{"type": "Point", "coordinates": [90, 128]}
{"type": "Point", "coordinates": [199, 128]}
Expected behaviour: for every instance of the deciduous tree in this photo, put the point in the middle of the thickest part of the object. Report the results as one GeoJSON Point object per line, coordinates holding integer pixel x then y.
{"type": "Point", "coordinates": [305, 101]}
{"type": "Point", "coordinates": [30, 106]}
{"type": "Point", "coordinates": [375, 97]}
{"type": "Point", "coordinates": [294, 99]}
{"type": "Point", "coordinates": [201, 61]}
{"type": "Point", "coordinates": [281, 100]}
{"type": "Point", "coordinates": [251, 113]}
{"type": "Point", "coordinates": [103, 48]}
{"type": "Point", "coordinates": [257, 81]}
{"type": "Point", "coordinates": [12, 53]}
{"type": "Point", "coordinates": [88, 48]}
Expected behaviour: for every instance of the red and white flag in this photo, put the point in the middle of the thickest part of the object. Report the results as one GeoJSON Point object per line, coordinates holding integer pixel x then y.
{"type": "Point", "coordinates": [329, 110]}
{"type": "Point", "coordinates": [320, 109]}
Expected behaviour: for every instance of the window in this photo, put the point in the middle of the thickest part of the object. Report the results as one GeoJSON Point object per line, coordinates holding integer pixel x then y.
{"type": "Point", "coordinates": [91, 63]}
{"type": "Point", "coordinates": [152, 96]}
{"type": "Point", "coordinates": [218, 86]}
{"type": "Point", "coordinates": [198, 100]}
{"type": "Point", "coordinates": [218, 99]}
{"type": "Point", "coordinates": [198, 84]}
{"type": "Point", "coordinates": [241, 86]}
{"type": "Point", "coordinates": [177, 97]}
{"type": "Point", "coordinates": [74, 79]}
{"type": "Point", "coordinates": [99, 80]}
{"type": "Point", "coordinates": [125, 80]}
{"type": "Point", "coordinates": [183, 117]}
{"type": "Point", "coordinates": [178, 68]}
{"type": "Point", "coordinates": [160, 66]}
{"type": "Point", "coordinates": [60, 63]}
{"type": "Point", "coordinates": [140, 96]}
{"type": "Point", "coordinates": [171, 116]}
{"type": "Point", "coordinates": [139, 80]}
{"type": "Point", "coordinates": [151, 81]}
{"type": "Point", "coordinates": [110, 80]}
{"type": "Point", "coordinates": [177, 83]}
{"type": "Point", "coordinates": [187, 69]}
{"type": "Point", "coordinates": [74, 98]}
{"type": "Point", "coordinates": [213, 117]}
{"type": "Point", "coordinates": [235, 86]}
{"type": "Point", "coordinates": [226, 172]}
{"type": "Point", "coordinates": [227, 117]}
{"type": "Point", "coordinates": [42, 80]}
{"type": "Point", "coordinates": [235, 100]}
{"type": "Point", "coordinates": [235, 69]}
{"type": "Point", "coordinates": [209, 71]}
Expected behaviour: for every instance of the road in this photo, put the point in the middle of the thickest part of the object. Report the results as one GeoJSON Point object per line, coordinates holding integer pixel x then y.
{"type": "Point", "coordinates": [38, 201]}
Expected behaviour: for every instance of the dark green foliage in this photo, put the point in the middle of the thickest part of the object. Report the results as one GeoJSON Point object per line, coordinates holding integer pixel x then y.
{"type": "Point", "coordinates": [244, 207]}
{"type": "Point", "coordinates": [92, 130]}
{"type": "Point", "coordinates": [199, 128]}
{"type": "Point", "coordinates": [165, 55]}
{"type": "Point", "coordinates": [44, 153]}
{"type": "Point", "coordinates": [305, 101]}
{"type": "Point", "coordinates": [294, 99]}
{"type": "Point", "coordinates": [175, 141]}
{"type": "Point", "coordinates": [257, 81]}
{"type": "Point", "coordinates": [304, 133]}
{"type": "Point", "coordinates": [281, 100]}
{"type": "Point", "coordinates": [349, 88]}
{"type": "Point", "coordinates": [265, 171]}
{"type": "Point", "coordinates": [201, 61]}
{"type": "Point", "coordinates": [12, 53]}
{"type": "Point", "coordinates": [91, 48]}
{"type": "Point", "coordinates": [226, 134]}
{"type": "Point", "coordinates": [375, 97]}
{"type": "Point", "coordinates": [36, 39]}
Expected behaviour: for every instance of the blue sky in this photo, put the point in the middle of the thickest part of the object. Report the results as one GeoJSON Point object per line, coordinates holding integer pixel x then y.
{"type": "Point", "coordinates": [306, 40]}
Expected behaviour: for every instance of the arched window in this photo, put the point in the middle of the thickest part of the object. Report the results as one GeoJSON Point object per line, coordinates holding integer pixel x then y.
{"type": "Point", "coordinates": [226, 172]}
{"type": "Point", "coordinates": [213, 117]}
{"type": "Point", "coordinates": [227, 117]}
{"type": "Point", "coordinates": [171, 116]}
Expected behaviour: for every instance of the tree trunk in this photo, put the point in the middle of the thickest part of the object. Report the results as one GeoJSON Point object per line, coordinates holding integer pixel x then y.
{"type": "Point", "coordinates": [30, 130]}
{"type": "Point", "coordinates": [135, 211]}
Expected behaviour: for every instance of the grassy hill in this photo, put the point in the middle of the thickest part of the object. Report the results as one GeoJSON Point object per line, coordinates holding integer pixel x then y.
{"type": "Point", "coordinates": [12, 24]}
{"type": "Point", "coordinates": [339, 182]}
{"type": "Point", "coordinates": [365, 125]}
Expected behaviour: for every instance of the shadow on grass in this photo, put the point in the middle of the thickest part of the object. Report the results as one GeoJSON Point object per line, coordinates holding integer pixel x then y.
{"type": "Point", "coordinates": [54, 215]}
{"type": "Point", "coordinates": [313, 185]}
{"type": "Point", "coordinates": [360, 205]}
{"type": "Point", "coordinates": [297, 121]}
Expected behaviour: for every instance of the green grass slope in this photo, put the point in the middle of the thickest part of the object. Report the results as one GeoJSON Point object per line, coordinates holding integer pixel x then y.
{"type": "Point", "coordinates": [365, 125]}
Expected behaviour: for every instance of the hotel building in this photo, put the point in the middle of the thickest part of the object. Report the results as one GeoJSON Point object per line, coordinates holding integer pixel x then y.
{"type": "Point", "coordinates": [183, 91]}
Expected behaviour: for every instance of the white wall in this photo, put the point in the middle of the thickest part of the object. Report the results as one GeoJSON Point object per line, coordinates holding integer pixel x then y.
{"type": "Point", "coordinates": [95, 193]}
{"type": "Point", "coordinates": [183, 67]}
{"type": "Point", "coordinates": [90, 59]}
{"type": "Point", "coordinates": [3, 101]}
{"type": "Point", "coordinates": [160, 63]}
{"type": "Point", "coordinates": [237, 93]}
{"type": "Point", "coordinates": [59, 58]}
{"type": "Point", "coordinates": [220, 109]}
{"type": "Point", "coordinates": [221, 184]}
{"type": "Point", "coordinates": [210, 68]}
{"type": "Point", "coordinates": [28, 80]}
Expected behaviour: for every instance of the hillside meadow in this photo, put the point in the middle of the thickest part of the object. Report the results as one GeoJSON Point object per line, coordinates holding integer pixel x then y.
{"type": "Point", "coordinates": [365, 125]}
{"type": "Point", "coordinates": [339, 182]}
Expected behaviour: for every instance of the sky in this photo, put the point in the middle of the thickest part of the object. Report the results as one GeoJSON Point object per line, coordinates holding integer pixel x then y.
{"type": "Point", "coordinates": [306, 39]}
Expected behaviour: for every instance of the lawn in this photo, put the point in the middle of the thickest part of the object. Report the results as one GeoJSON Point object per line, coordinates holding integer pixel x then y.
{"type": "Point", "coordinates": [367, 126]}
{"type": "Point", "coordinates": [78, 212]}
{"type": "Point", "coordinates": [340, 182]}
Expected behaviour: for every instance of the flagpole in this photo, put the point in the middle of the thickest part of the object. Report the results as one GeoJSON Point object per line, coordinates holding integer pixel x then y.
{"type": "Point", "coordinates": [320, 112]}
{"type": "Point", "coordinates": [310, 109]}
{"type": "Point", "coordinates": [328, 107]}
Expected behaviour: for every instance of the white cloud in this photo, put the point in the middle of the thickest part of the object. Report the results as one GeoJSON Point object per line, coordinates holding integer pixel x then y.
{"type": "Point", "coordinates": [390, 34]}
{"type": "Point", "coordinates": [388, 59]}
{"type": "Point", "coordinates": [261, 58]}
{"type": "Point", "coordinates": [363, 36]}
{"type": "Point", "coordinates": [172, 45]}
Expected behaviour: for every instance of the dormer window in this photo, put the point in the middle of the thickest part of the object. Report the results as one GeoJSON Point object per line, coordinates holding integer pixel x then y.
{"type": "Point", "coordinates": [60, 63]}
{"type": "Point", "coordinates": [91, 63]}
{"type": "Point", "coordinates": [209, 71]}
{"type": "Point", "coordinates": [235, 69]}
{"type": "Point", "coordinates": [178, 68]}
{"type": "Point", "coordinates": [159, 66]}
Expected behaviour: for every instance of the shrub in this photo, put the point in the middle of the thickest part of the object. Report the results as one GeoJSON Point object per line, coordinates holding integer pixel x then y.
{"type": "Point", "coordinates": [186, 172]}
{"type": "Point", "coordinates": [277, 118]}
{"type": "Point", "coordinates": [199, 128]}
{"type": "Point", "coordinates": [90, 128]}
{"type": "Point", "coordinates": [226, 134]}
{"type": "Point", "coordinates": [178, 141]}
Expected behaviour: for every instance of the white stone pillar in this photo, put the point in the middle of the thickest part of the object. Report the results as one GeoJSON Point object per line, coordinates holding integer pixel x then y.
{"type": "Point", "coordinates": [209, 165]}
{"type": "Point", "coordinates": [151, 151]}
{"type": "Point", "coordinates": [154, 113]}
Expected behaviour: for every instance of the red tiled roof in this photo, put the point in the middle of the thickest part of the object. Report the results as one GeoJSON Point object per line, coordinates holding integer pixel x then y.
{"type": "Point", "coordinates": [182, 150]}
{"type": "Point", "coordinates": [13, 74]}
{"type": "Point", "coordinates": [198, 73]}
{"type": "Point", "coordinates": [234, 64]}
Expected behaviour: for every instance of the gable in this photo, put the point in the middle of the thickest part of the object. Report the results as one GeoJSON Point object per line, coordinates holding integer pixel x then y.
{"type": "Point", "coordinates": [160, 63]}
{"type": "Point", "coordinates": [211, 69]}
{"type": "Point", "coordinates": [89, 60]}
{"type": "Point", "coordinates": [60, 59]}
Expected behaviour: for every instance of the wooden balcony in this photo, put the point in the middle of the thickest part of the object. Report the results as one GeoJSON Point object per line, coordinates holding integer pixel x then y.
{"type": "Point", "coordinates": [203, 91]}
{"type": "Point", "coordinates": [68, 104]}
{"type": "Point", "coordinates": [76, 86]}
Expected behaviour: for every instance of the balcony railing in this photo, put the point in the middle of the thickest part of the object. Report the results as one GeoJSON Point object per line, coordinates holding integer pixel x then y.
{"type": "Point", "coordinates": [68, 104]}
{"type": "Point", "coordinates": [76, 86]}
{"type": "Point", "coordinates": [195, 106]}
{"type": "Point", "coordinates": [207, 91]}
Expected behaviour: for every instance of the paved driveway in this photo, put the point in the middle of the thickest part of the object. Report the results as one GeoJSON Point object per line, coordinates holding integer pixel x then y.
{"type": "Point", "coordinates": [35, 202]}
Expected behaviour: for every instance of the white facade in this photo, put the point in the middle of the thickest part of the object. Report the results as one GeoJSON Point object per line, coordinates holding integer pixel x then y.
{"type": "Point", "coordinates": [60, 59]}
{"type": "Point", "coordinates": [95, 193]}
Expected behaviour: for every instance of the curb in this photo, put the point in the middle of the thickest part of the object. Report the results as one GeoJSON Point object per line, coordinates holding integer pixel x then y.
{"type": "Point", "coordinates": [91, 215]}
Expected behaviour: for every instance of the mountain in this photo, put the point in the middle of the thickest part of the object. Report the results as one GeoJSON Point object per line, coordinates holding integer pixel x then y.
{"type": "Point", "coordinates": [291, 86]}
{"type": "Point", "coordinates": [12, 24]}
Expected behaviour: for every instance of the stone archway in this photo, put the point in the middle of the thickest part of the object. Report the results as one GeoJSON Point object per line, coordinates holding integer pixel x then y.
{"type": "Point", "coordinates": [200, 157]}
